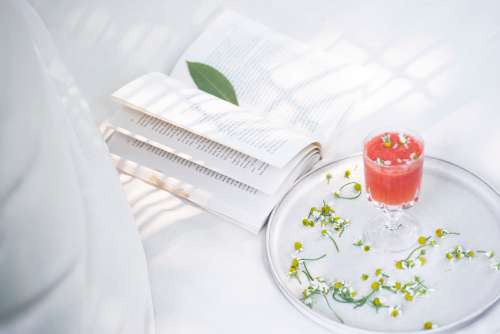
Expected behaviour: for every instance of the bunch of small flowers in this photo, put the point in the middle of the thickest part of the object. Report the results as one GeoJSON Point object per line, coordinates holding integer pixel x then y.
{"type": "Point", "coordinates": [413, 288]}
{"type": "Point", "coordinates": [490, 255]}
{"type": "Point", "coordinates": [324, 215]}
{"type": "Point", "coordinates": [298, 265]}
{"type": "Point", "coordinates": [409, 289]}
{"type": "Point", "coordinates": [343, 289]}
{"type": "Point", "coordinates": [418, 254]}
{"type": "Point", "coordinates": [343, 292]}
{"type": "Point", "coordinates": [318, 287]}
{"type": "Point", "coordinates": [332, 224]}
{"type": "Point", "coordinates": [459, 252]}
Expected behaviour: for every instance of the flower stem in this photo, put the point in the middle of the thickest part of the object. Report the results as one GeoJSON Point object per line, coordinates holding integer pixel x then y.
{"type": "Point", "coordinates": [338, 194]}
{"type": "Point", "coordinates": [331, 309]}
{"type": "Point", "coordinates": [314, 259]}
{"type": "Point", "coordinates": [307, 273]}
{"type": "Point", "coordinates": [413, 252]}
{"type": "Point", "coordinates": [334, 242]}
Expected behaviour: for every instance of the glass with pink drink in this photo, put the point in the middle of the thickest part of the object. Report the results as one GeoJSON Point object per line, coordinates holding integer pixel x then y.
{"type": "Point", "coordinates": [393, 166]}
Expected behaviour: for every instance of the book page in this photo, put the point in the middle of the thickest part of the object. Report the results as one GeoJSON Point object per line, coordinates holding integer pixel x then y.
{"type": "Point", "coordinates": [277, 75]}
{"type": "Point", "coordinates": [202, 151]}
{"type": "Point", "coordinates": [205, 115]}
{"type": "Point", "coordinates": [213, 191]}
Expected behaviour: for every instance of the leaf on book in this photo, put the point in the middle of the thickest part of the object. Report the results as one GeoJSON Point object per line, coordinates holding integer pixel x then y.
{"type": "Point", "coordinates": [210, 80]}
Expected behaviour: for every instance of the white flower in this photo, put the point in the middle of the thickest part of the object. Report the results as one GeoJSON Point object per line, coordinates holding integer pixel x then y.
{"type": "Point", "coordinates": [489, 254]}
{"type": "Point", "coordinates": [403, 139]}
{"type": "Point", "coordinates": [308, 301]}
{"type": "Point", "coordinates": [495, 265]}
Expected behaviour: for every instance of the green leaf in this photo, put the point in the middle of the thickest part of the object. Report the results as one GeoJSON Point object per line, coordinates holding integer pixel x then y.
{"type": "Point", "coordinates": [210, 80]}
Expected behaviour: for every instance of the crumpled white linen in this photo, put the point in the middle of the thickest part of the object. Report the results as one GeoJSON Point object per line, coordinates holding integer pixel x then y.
{"type": "Point", "coordinates": [71, 260]}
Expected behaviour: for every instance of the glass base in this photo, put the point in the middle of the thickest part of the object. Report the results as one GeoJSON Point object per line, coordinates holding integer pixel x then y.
{"type": "Point", "coordinates": [392, 236]}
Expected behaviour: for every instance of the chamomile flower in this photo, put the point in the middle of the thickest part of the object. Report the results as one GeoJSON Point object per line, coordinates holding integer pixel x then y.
{"type": "Point", "coordinates": [422, 240]}
{"type": "Point", "coordinates": [395, 311]}
{"type": "Point", "coordinates": [428, 325]}
{"type": "Point", "coordinates": [378, 303]}
{"type": "Point", "coordinates": [294, 266]}
{"type": "Point", "coordinates": [298, 247]}
{"type": "Point", "coordinates": [403, 139]}
{"type": "Point", "coordinates": [375, 285]}
{"type": "Point", "coordinates": [347, 173]}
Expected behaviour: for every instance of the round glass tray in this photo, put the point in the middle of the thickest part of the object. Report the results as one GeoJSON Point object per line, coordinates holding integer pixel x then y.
{"type": "Point", "coordinates": [451, 197]}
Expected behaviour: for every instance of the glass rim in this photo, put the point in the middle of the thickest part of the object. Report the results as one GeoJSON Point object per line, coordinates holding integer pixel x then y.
{"type": "Point", "coordinates": [381, 131]}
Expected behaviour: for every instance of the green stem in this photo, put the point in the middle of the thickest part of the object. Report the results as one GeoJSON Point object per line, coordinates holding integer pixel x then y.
{"type": "Point", "coordinates": [334, 242]}
{"type": "Point", "coordinates": [339, 193]}
{"type": "Point", "coordinates": [388, 288]}
{"type": "Point", "coordinates": [307, 273]}
{"type": "Point", "coordinates": [341, 232]}
{"type": "Point", "coordinates": [331, 309]}
{"type": "Point", "coordinates": [413, 252]}
{"type": "Point", "coordinates": [314, 259]}
{"type": "Point", "coordinates": [363, 300]}
{"type": "Point", "coordinates": [343, 301]}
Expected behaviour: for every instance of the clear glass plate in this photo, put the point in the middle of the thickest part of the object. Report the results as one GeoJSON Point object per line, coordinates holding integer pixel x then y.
{"type": "Point", "coordinates": [451, 197]}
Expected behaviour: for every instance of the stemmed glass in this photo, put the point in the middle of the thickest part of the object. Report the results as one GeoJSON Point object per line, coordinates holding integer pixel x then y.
{"type": "Point", "coordinates": [393, 165]}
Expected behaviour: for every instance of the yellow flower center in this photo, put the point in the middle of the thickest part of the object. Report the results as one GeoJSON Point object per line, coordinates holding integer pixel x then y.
{"type": "Point", "coordinates": [422, 240]}
{"type": "Point", "coordinates": [428, 325]}
{"type": "Point", "coordinates": [439, 232]}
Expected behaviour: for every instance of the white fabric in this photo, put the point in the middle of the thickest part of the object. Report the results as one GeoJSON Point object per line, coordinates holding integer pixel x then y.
{"type": "Point", "coordinates": [435, 68]}
{"type": "Point", "coordinates": [70, 257]}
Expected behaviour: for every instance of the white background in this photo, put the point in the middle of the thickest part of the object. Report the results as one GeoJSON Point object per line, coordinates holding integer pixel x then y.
{"type": "Point", "coordinates": [436, 66]}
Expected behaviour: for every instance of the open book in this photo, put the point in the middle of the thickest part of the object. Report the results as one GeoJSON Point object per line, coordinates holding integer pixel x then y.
{"type": "Point", "coordinates": [234, 161]}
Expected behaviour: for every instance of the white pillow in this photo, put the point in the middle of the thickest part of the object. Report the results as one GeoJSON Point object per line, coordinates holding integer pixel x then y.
{"type": "Point", "coordinates": [71, 260]}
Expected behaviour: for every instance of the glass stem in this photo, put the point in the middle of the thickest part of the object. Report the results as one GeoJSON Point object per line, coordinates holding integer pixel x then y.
{"type": "Point", "coordinates": [392, 222]}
